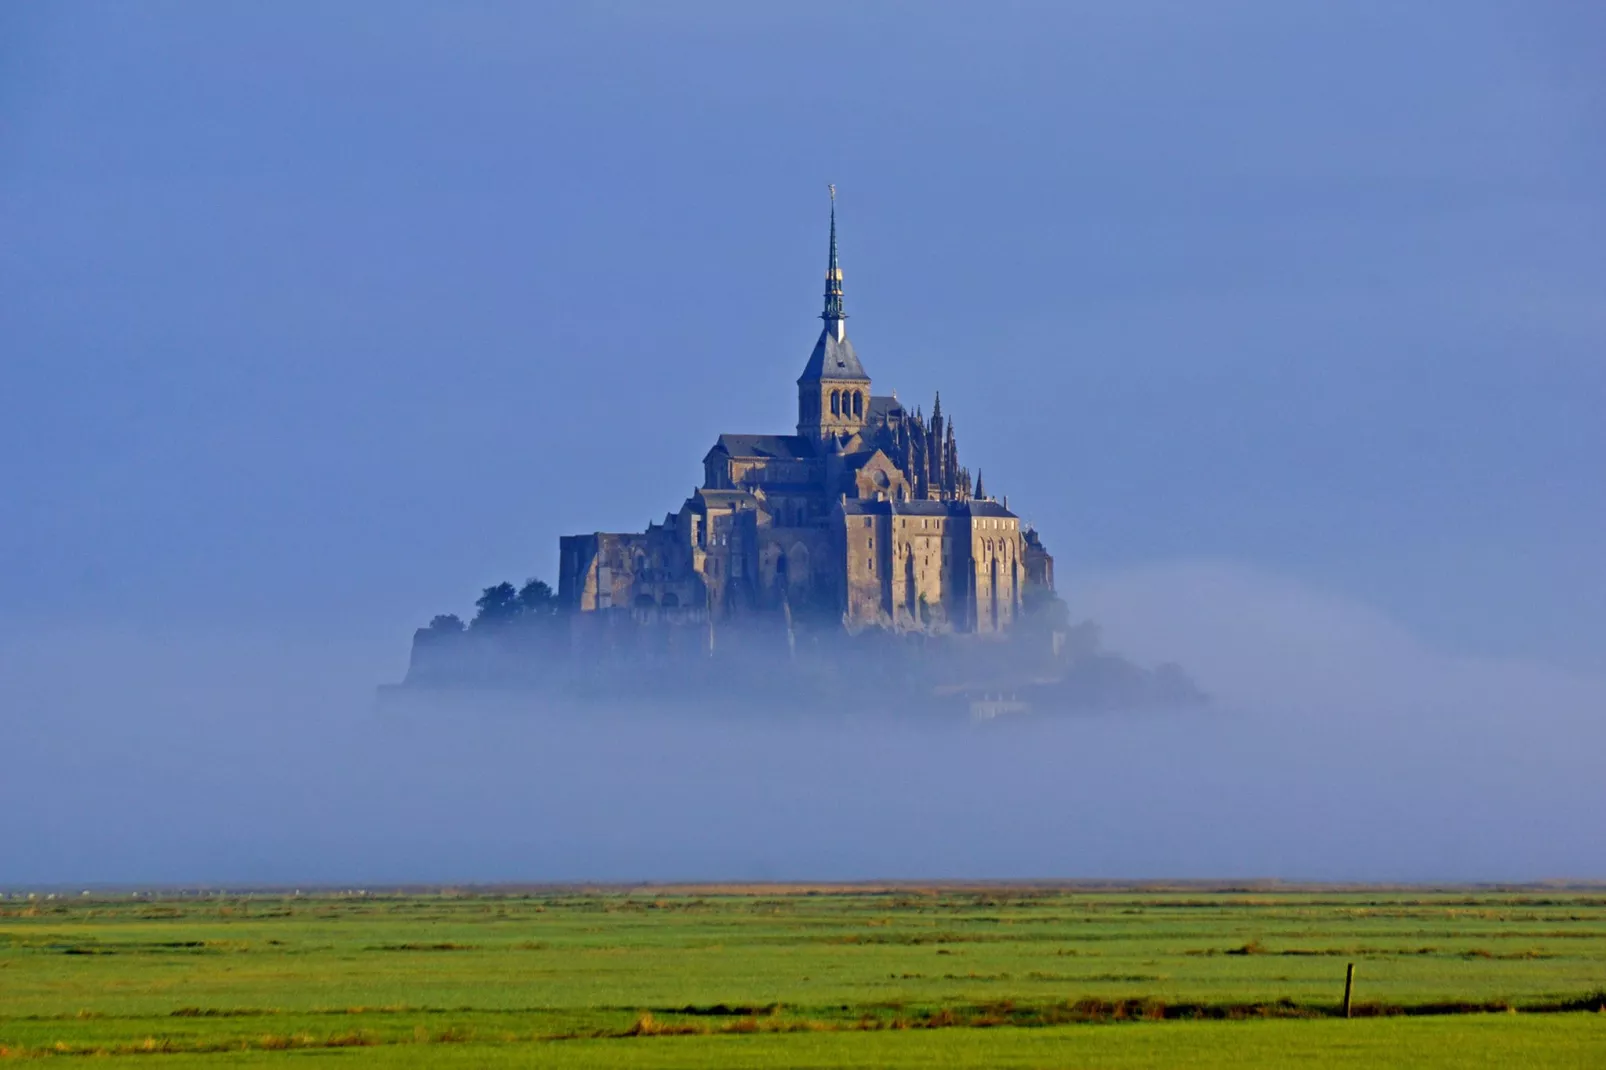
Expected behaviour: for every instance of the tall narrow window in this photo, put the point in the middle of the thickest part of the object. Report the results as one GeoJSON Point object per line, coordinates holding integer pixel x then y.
{"type": "Point", "coordinates": [836, 403]}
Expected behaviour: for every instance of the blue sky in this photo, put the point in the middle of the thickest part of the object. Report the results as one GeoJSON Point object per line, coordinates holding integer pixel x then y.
{"type": "Point", "coordinates": [314, 319]}
{"type": "Point", "coordinates": [311, 310]}
{"type": "Point", "coordinates": [336, 314]}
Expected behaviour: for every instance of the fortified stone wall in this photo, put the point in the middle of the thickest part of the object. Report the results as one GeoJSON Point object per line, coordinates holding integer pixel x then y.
{"type": "Point", "coordinates": [996, 548]}
{"type": "Point", "coordinates": [922, 588]}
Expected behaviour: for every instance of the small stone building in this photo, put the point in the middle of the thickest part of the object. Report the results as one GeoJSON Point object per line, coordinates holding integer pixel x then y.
{"type": "Point", "coordinates": [864, 513]}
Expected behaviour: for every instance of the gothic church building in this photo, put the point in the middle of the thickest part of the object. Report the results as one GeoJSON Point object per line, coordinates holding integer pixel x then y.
{"type": "Point", "coordinates": [865, 511]}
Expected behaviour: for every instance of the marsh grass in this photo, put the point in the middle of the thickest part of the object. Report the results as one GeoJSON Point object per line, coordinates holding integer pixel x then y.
{"type": "Point", "coordinates": [259, 975]}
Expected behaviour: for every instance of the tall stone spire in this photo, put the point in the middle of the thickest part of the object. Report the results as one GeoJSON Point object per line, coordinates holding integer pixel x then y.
{"type": "Point", "coordinates": [833, 393]}
{"type": "Point", "coordinates": [833, 314]}
{"type": "Point", "coordinates": [950, 462]}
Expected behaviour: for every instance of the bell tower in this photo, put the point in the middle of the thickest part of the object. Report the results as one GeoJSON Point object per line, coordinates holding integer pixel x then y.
{"type": "Point", "coordinates": [833, 393]}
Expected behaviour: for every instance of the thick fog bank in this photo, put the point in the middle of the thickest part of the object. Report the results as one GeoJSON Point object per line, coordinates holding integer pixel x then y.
{"type": "Point", "coordinates": [1338, 749]}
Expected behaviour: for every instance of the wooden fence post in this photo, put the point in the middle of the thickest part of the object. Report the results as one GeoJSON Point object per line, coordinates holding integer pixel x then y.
{"type": "Point", "coordinates": [1349, 987]}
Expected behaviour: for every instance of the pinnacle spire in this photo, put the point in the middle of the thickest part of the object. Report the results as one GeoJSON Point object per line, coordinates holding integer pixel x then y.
{"type": "Point", "coordinates": [833, 314]}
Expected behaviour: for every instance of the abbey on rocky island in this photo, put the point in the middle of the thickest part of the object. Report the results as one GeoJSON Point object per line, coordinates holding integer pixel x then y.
{"type": "Point", "coordinates": [865, 511]}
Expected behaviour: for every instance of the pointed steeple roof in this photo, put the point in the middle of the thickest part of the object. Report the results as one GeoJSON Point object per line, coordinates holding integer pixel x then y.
{"type": "Point", "coordinates": [833, 356]}
{"type": "Point", "coordinates": [833, 275]}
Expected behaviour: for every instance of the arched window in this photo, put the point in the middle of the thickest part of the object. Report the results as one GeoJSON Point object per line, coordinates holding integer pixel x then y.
{"type": "Point", "coordinates": [797, 566]}
{"type": "Point", "coordinates": [858, 404]}
{"type": "Point", "coordinates": [671, 600]}
{"type": "Point", "coordinates": [992, 595]}
{"type": "Point", "coordinates": [836, 403]}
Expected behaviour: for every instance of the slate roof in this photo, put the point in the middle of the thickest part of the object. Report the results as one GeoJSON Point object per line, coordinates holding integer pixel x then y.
{"type": "Point", "coordinates": [866, 507]}
{"type": "Point", "coordinates": [774, 489]}
{"type": "Point", "coordinates": [848, 446]}
{"type": "Point", "coordinates": [882, 408]}
{"type": "Point", "coordinates": [702, 498]}
{"type": "Point", "coordinates": [856, 460]}
{"type": "Point", "coordinates": [927, 508]}
{"type": "Point", "coordinates": [780, 447]}
{"type": "Point", "coordinates": [833, 359]}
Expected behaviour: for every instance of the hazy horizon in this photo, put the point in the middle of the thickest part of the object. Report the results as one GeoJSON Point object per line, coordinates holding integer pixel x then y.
{"type": "Point", "coordinates": [1281, 323]}
{"type": "Point", "coordinates": [1336, 748]}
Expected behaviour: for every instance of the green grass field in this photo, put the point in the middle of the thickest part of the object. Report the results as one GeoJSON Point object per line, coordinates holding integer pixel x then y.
{"type": "Point", "coordinates": [776, 976]}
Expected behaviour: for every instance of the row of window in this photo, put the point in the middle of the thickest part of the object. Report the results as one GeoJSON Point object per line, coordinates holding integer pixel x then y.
{"type": "Point", "coordinates": [869, 566]}
{"type": "Point", "coordinates": [1002, 546]}
{"type": "Point", "coordinates": [928, 522]}
{"type": "Point", "coordinates": [847, 403]}
{"type": "Point", "coordinates": [767, 473]}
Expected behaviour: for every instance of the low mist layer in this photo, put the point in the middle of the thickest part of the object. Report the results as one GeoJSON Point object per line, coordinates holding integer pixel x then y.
{"type": "Point", "coordinates": [1337, 747]}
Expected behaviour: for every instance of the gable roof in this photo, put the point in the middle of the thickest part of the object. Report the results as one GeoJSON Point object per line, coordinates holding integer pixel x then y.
{"type": "Point", "coordinates": [854, 461]}
{"type": "Point", "coordinates": [833, 358]}
{"type": "Point", "coordinates": [883, 407]}
{"type": "Point", "coordinates": [779, 447]}
{"type": "Point", "coordinates": [702, 498]}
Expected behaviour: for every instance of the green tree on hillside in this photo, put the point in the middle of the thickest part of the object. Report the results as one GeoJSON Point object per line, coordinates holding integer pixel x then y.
{"type": "Point", "coordinates": [497, 605]}
{"type": "Point", "coordinates": [537, 599]}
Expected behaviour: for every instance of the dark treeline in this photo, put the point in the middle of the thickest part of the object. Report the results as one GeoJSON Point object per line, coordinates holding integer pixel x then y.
{"type": "Point", "coordinates": [500, 605]}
